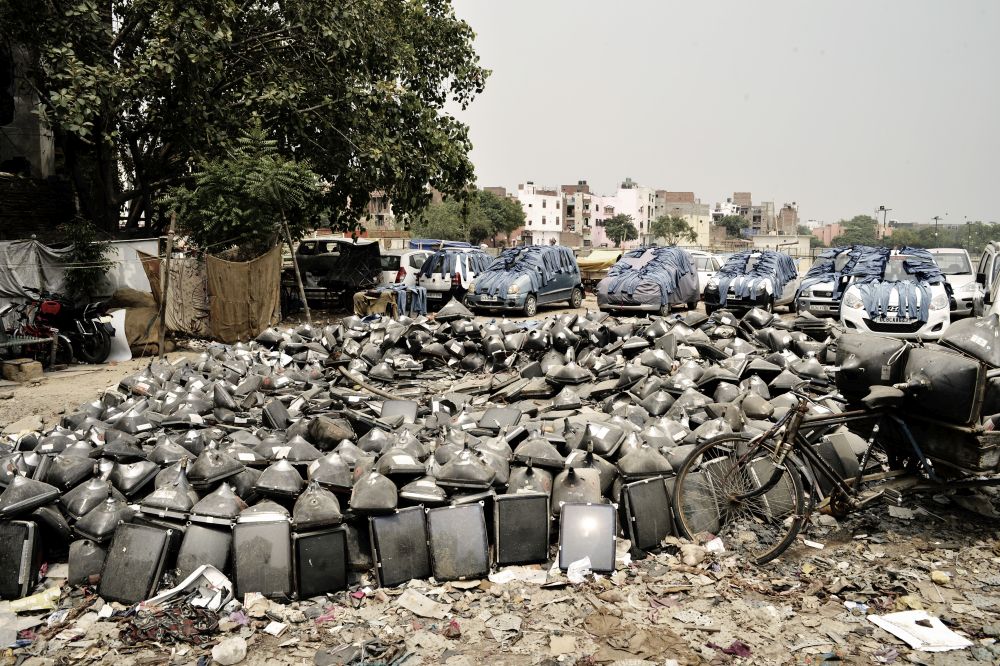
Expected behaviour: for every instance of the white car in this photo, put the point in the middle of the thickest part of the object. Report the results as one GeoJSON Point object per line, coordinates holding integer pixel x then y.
{"type": "Point", "coordinates": [402, 266]}
{"type": "Point", "coordinates": [882, 312]}
{"type": "Point", "coordinates": [957, 269]}
{"type": "Point", "coordinates": [707, 264]}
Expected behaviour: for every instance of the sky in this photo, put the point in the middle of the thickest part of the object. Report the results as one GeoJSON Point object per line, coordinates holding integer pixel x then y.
{"type": "Point", "coordinates": [838, 106]}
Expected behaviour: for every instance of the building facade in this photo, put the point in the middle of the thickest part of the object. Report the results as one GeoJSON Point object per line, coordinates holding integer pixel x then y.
{"type": "Point", "coordinates": [543, 213]}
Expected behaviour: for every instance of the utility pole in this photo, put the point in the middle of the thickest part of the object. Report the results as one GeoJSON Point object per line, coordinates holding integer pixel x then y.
{"type": "Point", "coordinates": [885, 220]}
{"type": "Point", "coordinates": [936, 218]}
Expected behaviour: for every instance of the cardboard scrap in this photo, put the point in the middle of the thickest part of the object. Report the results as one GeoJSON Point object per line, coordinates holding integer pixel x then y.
{"type": "Point", "coordinates": [420, 605]}
{"type": "Point", "coordinates": [921, 631]}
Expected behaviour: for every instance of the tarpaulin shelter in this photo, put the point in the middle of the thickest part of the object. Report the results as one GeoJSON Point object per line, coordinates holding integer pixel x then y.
{"type": "Point", "coordinates": [187, 308]}
{"type": "Point", "coordinates": [29, 263]}
{"type": "Point", "coordinates": [244, 296]}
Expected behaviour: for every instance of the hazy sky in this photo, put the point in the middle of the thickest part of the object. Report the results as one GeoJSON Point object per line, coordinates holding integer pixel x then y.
{"type": "Point", "coordinates": [840, 106]}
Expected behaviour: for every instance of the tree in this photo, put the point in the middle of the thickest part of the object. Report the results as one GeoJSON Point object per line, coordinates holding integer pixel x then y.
{"type": "Point", "coordinates": [247, 198]}
{"type": "Point", "coordinates": [136, 91]}
{"type": "Point", "coordinates": [620, 228]}
{"type": "Point", "coordinates": [672, 229]}
{"type": "Point", "coordinates": [87, 259]}
{"type": "Point", "coordinates": [859, 230]}
{"type": "Point", "coordinates": [734, 224]}
{"type": "Point", "coordinates": [504, 214]}
{"type": "Point", "coordinates": [458, 218]}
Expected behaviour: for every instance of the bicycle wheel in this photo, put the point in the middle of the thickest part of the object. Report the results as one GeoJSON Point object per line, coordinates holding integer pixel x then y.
{"type": "Point", "coordinates": [729, 489]}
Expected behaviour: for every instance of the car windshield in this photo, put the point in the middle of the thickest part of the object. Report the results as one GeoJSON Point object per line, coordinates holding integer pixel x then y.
{"type": "Point", "coordinates": [895, 270]}
{"type": "Point", "coordinates": [953, 263]}
{"type": "Point", "coordinates": [390, 262]}
{"type": "Point", "coordinates": [704, 263]}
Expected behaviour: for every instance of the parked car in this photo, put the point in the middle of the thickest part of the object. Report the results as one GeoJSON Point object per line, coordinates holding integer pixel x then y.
{"type": "Point", "coordinates": [447, 273]}
{"type": "Point", "coordinates": [707, 265]}
{"type": "Point", "coordinates": [402, 266]}
{"type": "Point", "coordinates": [333, 269]}
{"type": "Point", "coordinates": [967, 293]}
{"type": "Point", "coordinates": [823, 285]}
{"type": "Point", "coordinates": [988, 271]}
{"type": "Point", "coordinates": [901, 293]}
{"type": "Point", "coordinates": [595, 266]}
{"type": "Point", "coordinates": [650, 280]}
{"type": "Point", "coordinates": [522, 278]}
{"type": "Point", "coordinates": [753, 278]}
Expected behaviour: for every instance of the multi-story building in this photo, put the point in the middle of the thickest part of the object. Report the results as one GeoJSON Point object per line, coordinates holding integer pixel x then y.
{"type": "Point", "coordinates": [378, 213]}
{"type": "Point", "coordinates": [543, 214]}
{"type": "Point", "coordinates": [689, 208]}
{"type": "Point", "coordinates": [788, 220]}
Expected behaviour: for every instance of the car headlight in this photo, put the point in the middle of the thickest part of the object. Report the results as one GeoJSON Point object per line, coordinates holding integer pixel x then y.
{"type": "Point", "coordinates": [806, 293]}
{"type": "Point", "coordinates": [713, 286]}
{"type": "Point", "coordinates": [969, 288]}
{"type": "Point", "coordinates": [513, 289]}
{"type": "Point", "coordinates": [939, 302]}
{"type": "Point", "coordinates": [853, 301]}
{"type": "Point", "coordinates": [472, 287]}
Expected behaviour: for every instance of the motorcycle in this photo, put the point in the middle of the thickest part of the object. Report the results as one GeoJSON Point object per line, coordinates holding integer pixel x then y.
{"type": "Point", "coordinates": [88, 330]}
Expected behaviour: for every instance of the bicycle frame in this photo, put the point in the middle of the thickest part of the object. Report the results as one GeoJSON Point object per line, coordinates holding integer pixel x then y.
{"type": "Point", "coordinates": [794, 442]}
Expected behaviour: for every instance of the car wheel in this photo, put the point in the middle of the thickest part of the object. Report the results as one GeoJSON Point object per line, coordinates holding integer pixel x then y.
{"type": "Point", "coordinates": [530, 305]}
{"type": "Point", "coordinates": [664, 310]}
{"type": "Point", "coordinates": [693, 305]}
{"type": "Point", "coordinates": [576, 298]}
{"type": "Point", "coordinates": [709, 309]}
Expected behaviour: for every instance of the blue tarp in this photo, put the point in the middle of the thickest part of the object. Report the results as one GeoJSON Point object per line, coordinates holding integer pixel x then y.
{"type": "Point", "coordinates": [774, 268]}
{"type": "Point", "coordinates": [539, 263]}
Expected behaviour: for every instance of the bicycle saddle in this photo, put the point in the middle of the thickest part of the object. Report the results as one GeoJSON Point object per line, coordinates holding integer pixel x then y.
{"type": "Point", "coordinates": [883, 396]}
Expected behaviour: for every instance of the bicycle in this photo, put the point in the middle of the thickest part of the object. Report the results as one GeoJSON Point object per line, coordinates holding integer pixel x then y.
{"type": "Point", "coordinates": [758, 492]}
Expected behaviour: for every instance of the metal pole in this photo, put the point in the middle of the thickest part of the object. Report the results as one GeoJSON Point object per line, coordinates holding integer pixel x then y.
{"type": "Point", "coordinates": [164, 287]}
{"type": "Point", "coordinates": [295, 265]}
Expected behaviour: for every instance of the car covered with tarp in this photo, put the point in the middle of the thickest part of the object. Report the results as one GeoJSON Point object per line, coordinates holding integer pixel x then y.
{"type": "Point", "coordinates": [521, 278]}
{"type": "Point", "coordinates": [447, 273]}
{"type": "Point", "coordinates": [823, 285]}
{"type": "Point", "coordinates": [650, 279]}
{"type": "Point", "coordinates": [901, 293]}
{"type": "Point", "coordinates": [753, 279]}
{"type": "Point", "coordinates": [333, 269]}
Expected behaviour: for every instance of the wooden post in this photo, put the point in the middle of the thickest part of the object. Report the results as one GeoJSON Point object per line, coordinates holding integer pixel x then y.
{"type": "Point", "coordinates": [164, 287]}
{"type": "Point", "coordinates": [295, 265]}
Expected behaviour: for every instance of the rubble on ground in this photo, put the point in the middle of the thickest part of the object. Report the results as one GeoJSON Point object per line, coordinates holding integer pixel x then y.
{"type": "Point", "coordinates": [394, 491]}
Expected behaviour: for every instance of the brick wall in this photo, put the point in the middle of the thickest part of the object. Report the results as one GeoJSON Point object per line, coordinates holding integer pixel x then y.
{"type": "Point", "coordinates": [33, 207]}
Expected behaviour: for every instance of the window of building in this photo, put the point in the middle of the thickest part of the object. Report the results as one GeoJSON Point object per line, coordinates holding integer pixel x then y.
{"type": "Point", "coordinates": [543, 203]}
{"type": "Point", "coordinates": [529, 223]}
{"type": "Point", "coordinates": [557, 205]}
{"type": "Point", "coordinates": [557, 219]}
{"type": "Point", "coordinates": [543, 219]}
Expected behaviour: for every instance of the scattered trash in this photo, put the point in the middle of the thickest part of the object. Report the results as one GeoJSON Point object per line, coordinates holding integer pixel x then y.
{"type": "Point", "coordinates": [420, 605]}
{"type": "Point", "coordinates": [230, 651]}
{"type": "Point", "coordinates": [921, 631]}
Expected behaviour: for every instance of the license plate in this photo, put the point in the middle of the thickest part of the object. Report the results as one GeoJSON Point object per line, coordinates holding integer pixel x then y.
{"type": "Point", "coordinates": [488, 299]}
{"type": "Point", "coordinates": [895, 320]}
{"type": "Point", "coordinates": [435, 294]}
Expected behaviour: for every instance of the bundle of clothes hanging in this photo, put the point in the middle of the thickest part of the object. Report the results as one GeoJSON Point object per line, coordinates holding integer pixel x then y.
{"type": "Point", "coordinates": [539, 263]}
{"type": "Point", "coordinates": [913, 296]}
{"type": "Point", "coordinates": [772, 268]}
{"type": "Point", "coordinates": [646, 273]}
